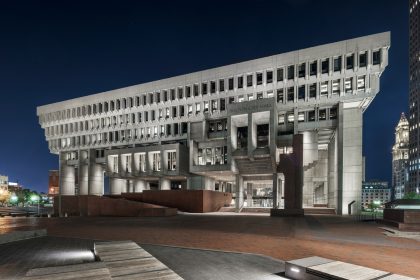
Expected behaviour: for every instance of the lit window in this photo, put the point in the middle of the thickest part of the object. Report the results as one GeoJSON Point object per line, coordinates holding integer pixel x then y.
{"type": "Point", "coordinates": [348, 85]}
{"type": "Point", "coordinates": [336, 87]}
{"type": "Point", "coordinates": [324, 88]}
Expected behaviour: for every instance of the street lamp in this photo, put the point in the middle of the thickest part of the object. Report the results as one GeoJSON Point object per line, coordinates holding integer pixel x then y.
{"type": "Point", "coordinates": [13, 198]}
{"type": "Point", "coordinates": [35, 198]}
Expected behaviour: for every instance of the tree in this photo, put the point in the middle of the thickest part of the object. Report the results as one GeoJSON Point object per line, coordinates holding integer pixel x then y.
{"type": "Point", "coordinates": [4, 197]}
{"type": "Point", "coordinates": [412, 195]}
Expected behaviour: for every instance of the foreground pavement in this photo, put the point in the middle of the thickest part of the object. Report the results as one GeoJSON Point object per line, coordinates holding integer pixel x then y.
{"type": "Point", "coordinates": [339, 238]}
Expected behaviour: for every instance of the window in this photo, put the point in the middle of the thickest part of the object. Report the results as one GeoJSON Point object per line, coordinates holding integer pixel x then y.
{"type": "Point", "coordinates": [128, 163]}
{"type": "Point", "coordinates": [336, 87]}
{"type": "Point", "coordinates": [281, 119]}
{"type": "Point", "coordinates": [250, 96]}
{"type": "Point", "coordinates": [171, 160]}
{"type": "Point", "coordinates": [206, 106]}
{"type": "Point", "coordinates": [157, 97]}
{"type": "Point", "coordinates": [291, 72]}
{"type": "Point", "coordinates": [290, 94]}
{"type": "Point", "coordinates": [249, 80]}
{"type": "Point", "coordinates": [230, 84]}
{"type": "Point", "coordinates": [337, 64]}
{"type": "Point", "coordinates": [240, 98]}
{"type": "Point", "coordinates": [269, 77]}
{"type": "Point", "coordinates": [301, 117]}
{"type": "Point", "coordinates": [348, 85]}
{"type": "Point", "coordinates": [322, 114]}
{"type": "Point", "coordinates": [314, 68]}
{"type": "Point", "coordinates": [350, 61]}
{"type": "Point", "coordinates": [142, 162]}
{"type": "Point", "coordinates": [240, 82]}
{"type": "Point", "coordinates": [174, 113]}
{"type": "Point", "coordinates": [190, 109]}
{"type": "Point", "coordinates": [302, 70]}
{"type": "Point", "coordinates": [280, 96]}
{"type": "Point", "coordinates": [301, 93]}
{"type": "Point", "coordinates": [200, 157]}
{"type": "Point", "coordinates": [197, 108]}
{"type": "Point", "coordinates": [259, 78]}
{"type": "Point", "coordinates": [209, 156]}
{"type": "Point", "coordinates": [325, 66]}
{"type": "Point", "coordinates": [222, 104]}
{"type": "Point", "coordinates": [196, 90]}
{"type": "Point", "coordinates": [231, 100]}
{"type": "Point", "coordinates": [165, 96]}
{"type": "Point", "coordinates": [333, 113]}
{"type": "Point", "coordinates": [280, 74]}
{"type": "Point", "coordinates": [115, 164]}
{"type": "Point", "coordinates": [204, 88]}
{"type": "Point", "coordinates": [188, 91]}
{"type": "Point", "coordinates": [221, 85]}
{"type": "Point", "coordinates": [260, 95]}
{"type": "Point", "coordinates": [270, 94]}
{"type": "Point", "coordinates": [290, 118]}
{"type": "Point", "coordinates": [156, 161]}
{"type": "Point", "coordinates": [324, 88]}
{"type": "Point", "coordinates": [214, 106]}
{"type": "Point", "coordinates": [361, 83]}
{"type": "Point", "coordinates": [212, 87]}
{"type": "Point", "coordinates": [363, 59]}
{"type": "Point", "coordinates": [181, 110]}
{"type": "Point", "coordinates": [173, 94]}
{"type": "Point", "coordinates": [312, 90]}
{"type": "Point", "coordinates": [311, 116]}
{"type": "Point", "coordinates": [376, 57]}
{"type": "Point", "coordinates": [180, 93]}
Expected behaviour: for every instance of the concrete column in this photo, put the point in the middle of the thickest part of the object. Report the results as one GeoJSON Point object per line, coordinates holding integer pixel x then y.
{"type": "Point", "coordinates": [349, 165]}
{"type": "Point", "coordinates": [332, 172]}
{"type": "Point", "coordinates": [321, 178]}
{"type": "Point", "coordinates": [208, 183]}
{"type": "Point", "coordinates": [96, 179]}
{"type": "Point", "coordinates": [249, 194]}
{"type": "Point", "coordinates": [83, 179]}
{"type": "Point", "coordinates": [252, 135]}
{"type": "Point", "coordinates": [239, 202]}
{"type": "Point", "coordinates": [139, 186]}
{"type": "Point", "coordinates": [117, 185]}
{"type": "Point", "coordinates": [310, 160]}
{"type": "Point", "coordinates": [275, 191]}
{"type": "Point", "coordinates": [130, 186]}
{"type": "Point", "coordinates": [164, 184]}
{"type": "Point", "coordinates": [67, 180]}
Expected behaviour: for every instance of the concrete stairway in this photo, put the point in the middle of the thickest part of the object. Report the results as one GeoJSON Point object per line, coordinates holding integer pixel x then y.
{"type": "Point", "coordinates": [319, 211]}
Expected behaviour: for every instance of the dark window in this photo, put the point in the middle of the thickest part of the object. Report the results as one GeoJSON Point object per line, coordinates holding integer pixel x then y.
{"type": "Point", "coordinates": [333, 113]}
{"type": "Point", "coordinates": [146, 116]}
{"type": "Point", "coordinates": [153, 115]}
{"type": "Point", "coordinates": [314, 68]}
{"type": "Point", "coordinates": [259, 78]}
{"type": "Point", "coordinates": [188, 91]}
{"type": "Point", "coordinates": [204, 88]}
{"type": "Point", "coordinates": [231, 100]}
{"type": "Point", "coordinates": [196, 90]}
{"type": "Point", "coordinates": [269, 77]}
{"type": "Point", "coordinates": [311, 116]}
{"type": "Point", "coordinates": [337, 64]}
{"type": "Point", "coordinates": [212, 87]}
{"type": "Point", "coordinates": [260, 95]}
{"type": "Point", "coordinates": [301, 92]}
{"type": "Point", "coordinates": [325, 66]}
{"type": "Point", "coordinates": [280, 74]}
{"type": "Point", "coordinates": [240, 82]}
{"type": "Point", "coordinates": [322, 114]}
{"type": "Point", "coordinates": [165, 96]}
{"type": "Point", "coordinates": [302, 70]}
{"type": "Point", "coordinates": [350, 61]}
{"type": "Point", "coordinates": [173, 94]}
{"type": "Point", "coordinates": [181, 110]}
{"type": "Point", "coordinates": [221, 85]}
{"type": "Point", "coordinates": [363, 59]}
{"type": "Point", "coordinates": [144, 100]}
{"type": "Point", "coordinates": [151, 98]}
{"type": "Point", "coordinates": [291, 72]}
{"type": "Point", "coordinates": [157, 97]}
{"type": "Point", "coordinates": [290, 94]}
{"type": "Point", "coordinates": [230, 84]}
{"type": "Point", "coordinates": [376, 57]}
{"type": "Point", "coordinates": [180, 93]}
{"type": "Point", "coordinates": [280, 96]}
{"type": "Point", "coordinates": [312, 91]}
{"type": "Point", "coordinates": [249, 81]}
{"type": "Point", "coordinates": [222, 104]}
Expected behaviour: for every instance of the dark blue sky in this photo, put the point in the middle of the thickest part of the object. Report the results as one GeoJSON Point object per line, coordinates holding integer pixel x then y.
{"type": "Point", "coordinates": [57, 50]}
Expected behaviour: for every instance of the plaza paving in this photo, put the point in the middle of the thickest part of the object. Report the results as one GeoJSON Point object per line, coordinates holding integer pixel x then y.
{"type": "Point", "coordinates": [331, 237]}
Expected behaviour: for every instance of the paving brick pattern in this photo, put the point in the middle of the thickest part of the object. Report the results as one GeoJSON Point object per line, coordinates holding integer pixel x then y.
{"type": "Point", "coordinates": [331, 237]}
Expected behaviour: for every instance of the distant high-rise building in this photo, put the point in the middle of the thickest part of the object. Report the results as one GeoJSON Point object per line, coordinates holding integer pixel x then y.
{"type": "Point", "coordinates": [376, 192]}
{"type": "Point", "coordinates": [400, 158]}
{"type": "Point", "coordinates": [414, 97]}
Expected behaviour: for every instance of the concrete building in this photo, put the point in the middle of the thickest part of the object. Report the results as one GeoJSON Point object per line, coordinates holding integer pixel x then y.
{"type": "Point", "coordinates": [414, 97]}
{"type": "Point", "coordinates": [4, 183]}
{"type": "Point", "coordinates": [376, 192]}
{"type": "Point", "coordinates": [400, 158]}
{"type": "Point", "coordinates": [283, 131]}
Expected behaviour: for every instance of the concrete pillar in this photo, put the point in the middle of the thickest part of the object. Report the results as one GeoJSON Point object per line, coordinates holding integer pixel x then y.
{"type": "Point", "coordinates": [96, 179]}
{"type": "Point", "coordinates": [275, 191]}
{"type": "Point", "coordinates": [117, 185]}
{"type": "Point", "coordinates": [164, 184]}
{"type": "Point", "coordinates": [249, 201]}
{"type": "Point", "coordinates": [67, 180]}
{"type": "Point", "coordinates": [252, 135]}
{"type": "Point", "coordinates": [310, 160]}
{"type": "Point", "coordinates": [139, 186]}
{"type": "Point", "coordinates": [321, 178]}
{"type": "Point", "coordinates": [208, 183]}
{"type": "Point", "coordinates": [130, 186]}
{"type": "Point", "coordinates": [350, 125]}
{"type": "Point", "coordinates": [239, 202]}
{"type": "Point", "coordinates": [83, 179]}
{"type": "Point", "coordinates": [332, 172]}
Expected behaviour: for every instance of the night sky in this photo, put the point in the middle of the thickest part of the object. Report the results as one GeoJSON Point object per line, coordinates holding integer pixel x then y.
{"type": "Point", "coordinates": [56, 50]}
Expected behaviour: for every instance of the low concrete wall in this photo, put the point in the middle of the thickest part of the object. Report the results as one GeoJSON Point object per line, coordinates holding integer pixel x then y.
{"type": "Point", "coordinates": [194, 201]}
{"type": "Point", "coordinates": [90, 205]}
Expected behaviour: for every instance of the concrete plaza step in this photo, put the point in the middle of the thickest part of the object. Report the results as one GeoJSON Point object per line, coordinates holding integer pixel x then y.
{"type": "Point", "coordinates": [127, 260]}
{"type": "Point", "coordinates": [319, 211]}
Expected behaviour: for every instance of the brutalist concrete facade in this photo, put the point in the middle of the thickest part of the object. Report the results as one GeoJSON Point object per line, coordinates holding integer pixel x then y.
{"type": "Point", "coordinates": [227, 129]}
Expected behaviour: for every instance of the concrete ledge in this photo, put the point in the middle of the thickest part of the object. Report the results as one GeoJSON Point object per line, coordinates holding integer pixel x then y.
{"type": "Point", "coordinates": [287, 212]}
{"type": "Point", "coordinates": [21, 235]}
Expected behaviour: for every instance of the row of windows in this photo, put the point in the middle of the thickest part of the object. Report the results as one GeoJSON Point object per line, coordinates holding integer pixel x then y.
{"type": "Point", "coordinates": [140, 161]}
{"type": "Point", "coordinates": [302, 70]}
{"type": "Point", "coordinates": [308, 116]}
